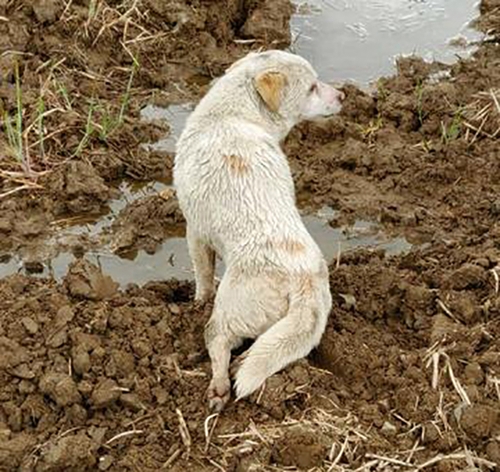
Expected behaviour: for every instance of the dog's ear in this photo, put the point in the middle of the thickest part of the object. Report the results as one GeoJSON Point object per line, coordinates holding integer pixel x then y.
{"type": "Point", "coordinates": [269, 86]}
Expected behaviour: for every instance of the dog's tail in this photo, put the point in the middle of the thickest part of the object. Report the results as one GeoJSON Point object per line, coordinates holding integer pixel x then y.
{"type": "Point", "coordinates": [288, 340]}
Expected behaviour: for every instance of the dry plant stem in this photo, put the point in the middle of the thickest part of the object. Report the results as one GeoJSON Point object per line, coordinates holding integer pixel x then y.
{"type": "Point", "coordinates": [209, 430]}
{"type": "Point", "coordinates": [367, 466]}
{"type": "Point", "coordinates": [184, 431]}
{"type": "Point", "coordinates": [495, 100]}
{"type": "Point", "coordinates": [340, 454]}
{"type": "Point", "coordinates": [497, 280]}
{"type": "Point", "coordinates": [172, 459]}
{"type": "Point", "coordinates": [452, 457]}
{"type": "Point", "coordinates": [496, 382]}
{"type": "Point", "coordinates": [435, 370]}
{"type": "Point", "coordinates": [447, 310]}
{"type": "Point", "coordinates": [456, 383]}
{"type": "Point", "coordinates": [18, 189]}
{"type": "Point", "coordinates": [413, 450]}
{"type": "Point", "coordinates": [478, 130]}
{"type": "Point", "coordinates": [389, 460]}
{"type": "Point", "coordinates": [123, 435]}
{"type": "Point", "coordinates": [474, 128]}
{"type": "Point", "coordinates": [216, 465]}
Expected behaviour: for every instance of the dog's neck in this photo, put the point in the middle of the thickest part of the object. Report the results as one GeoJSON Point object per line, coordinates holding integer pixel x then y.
{"type": "Point", "coordinates": [248, 107]}
{"type": "Point", "coordinates": [272, 123]}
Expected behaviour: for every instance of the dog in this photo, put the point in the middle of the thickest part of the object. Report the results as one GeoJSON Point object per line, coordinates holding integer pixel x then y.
{"type": "Point", "coordinates": [235, 189]}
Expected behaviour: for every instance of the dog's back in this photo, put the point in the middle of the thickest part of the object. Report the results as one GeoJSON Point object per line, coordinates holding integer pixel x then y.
{"type": "Point", "coordinates": [235, 186]}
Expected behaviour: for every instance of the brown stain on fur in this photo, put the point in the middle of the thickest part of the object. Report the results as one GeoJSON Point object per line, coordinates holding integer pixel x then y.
{"type": "Point", "coordinates": [306, 284]}
{"type": "Point", "coordinates": [237, 164]}
{"type": "Point", "coordinates": [292, 246]}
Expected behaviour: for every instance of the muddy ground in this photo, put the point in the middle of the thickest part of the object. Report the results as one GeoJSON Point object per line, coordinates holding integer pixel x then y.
{"type": "Point", "coordinates": [407, 376]}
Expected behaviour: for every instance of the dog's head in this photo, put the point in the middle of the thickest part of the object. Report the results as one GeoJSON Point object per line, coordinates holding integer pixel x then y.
{"type": "Point", "coordinates": [287, 85]}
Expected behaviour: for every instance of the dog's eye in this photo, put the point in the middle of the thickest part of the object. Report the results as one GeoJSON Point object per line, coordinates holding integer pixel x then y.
{"type": "Point", "coordinates": [313, 88]}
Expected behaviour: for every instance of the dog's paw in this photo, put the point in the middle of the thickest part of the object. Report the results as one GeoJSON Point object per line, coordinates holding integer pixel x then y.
{"type": "Point", "coordinates": [218, 394]}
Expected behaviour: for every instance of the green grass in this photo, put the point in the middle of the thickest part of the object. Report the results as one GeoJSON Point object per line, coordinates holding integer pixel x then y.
{"type": "Point", "coordinates": [64, 93]}
{"type": "Point", "coordinates": [452, 132]}
{"type": "Point", "coordinates": [89, 129]}
{"type": "Point", "coordinates": [13, 126]}
{"type": "Point", "coordinates": [110, 123]}
{"type": "Point", "coordinates": [100, 120]}
{"type": "Point", "coordinates": [382, 92]}
{"type": "Point", "coordinates": [107, 122]}
{"type": "Point", "coordinates": [126, 97]}
{"type": "Point", "coordinates": [373, 126]}
{"type": "Point", "coordinates": [92, 9]}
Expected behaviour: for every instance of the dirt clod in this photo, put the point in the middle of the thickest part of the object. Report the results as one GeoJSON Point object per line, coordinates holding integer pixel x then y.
{"type": "Point", "coordinates": [269, 22]}
{"type": "Point", "coordinates": [61, 388]}
{"type": "Point", "coordinates": [105, 393]}
{"type": "Point", "coordinates": [73, 452]}
{"type": "Point", "coordinates": [78, 188]}
{"type": "Point", "coordinates": [478, 421]}
{"type": "Point", "coordinates": [299, 448]}
{"type": "Point", "coordinates": [146, 223]}
{"type": "Point", "coordinates": [84, 280]}
{"type": "Point", "coordinates": [467, 276]}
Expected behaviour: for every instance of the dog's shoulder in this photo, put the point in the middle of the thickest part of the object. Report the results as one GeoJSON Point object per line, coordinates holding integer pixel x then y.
{"type": "Point", "coordinates": [214, 141]}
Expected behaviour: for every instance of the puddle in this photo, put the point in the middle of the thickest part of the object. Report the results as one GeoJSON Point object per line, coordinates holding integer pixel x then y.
{"type": "Point", "coordinates": [358, 40]}
{"type": "Point", "coordinates": [172, 259]}
{"type": "Point", "coordinates": [90, 228]}
{"type": "Point", "coordinates": [363, 234]}
{"type": "Point", "coordinates": [175, 116]}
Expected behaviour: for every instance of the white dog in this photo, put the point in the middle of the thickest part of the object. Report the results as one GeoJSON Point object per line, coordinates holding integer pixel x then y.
{"type": "Point", "coordinates": [236, 191]}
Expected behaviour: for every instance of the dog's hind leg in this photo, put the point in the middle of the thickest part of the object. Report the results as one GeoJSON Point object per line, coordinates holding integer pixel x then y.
{"type": "Point", "coordinates": [203, 259]}
{"type": "Point", "coordinates": [288, 340]}
{"type": "Point", "coordinates": [219, 345]}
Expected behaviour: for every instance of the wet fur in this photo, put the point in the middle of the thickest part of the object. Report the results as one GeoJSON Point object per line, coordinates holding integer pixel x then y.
{"type": "Point", "coordinates": [236, 191]}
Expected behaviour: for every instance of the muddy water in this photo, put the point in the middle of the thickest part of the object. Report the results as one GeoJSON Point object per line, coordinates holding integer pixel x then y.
{"type": "Point", "coordinates": [359, 40]}
{"type": "Point", "coordinates": [175, 116]}
{"type": "Point", "coordinates": [172, 259]}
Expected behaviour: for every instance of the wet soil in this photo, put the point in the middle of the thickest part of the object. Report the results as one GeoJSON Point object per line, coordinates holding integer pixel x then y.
{"type": "Point", "coordinates": [76, 76]}
{"type": "Point", "coordinates": [407, 377]}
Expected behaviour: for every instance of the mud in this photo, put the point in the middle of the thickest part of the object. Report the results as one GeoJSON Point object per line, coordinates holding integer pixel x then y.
{"type": "Point", "coordinates": [83, 363]}
{"type": "Point", "coordinates": [97, 377]}
{"type": "Point", "coordinates": [146, 223]}
{"type": "Point", "coordinates": [75, 76]}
